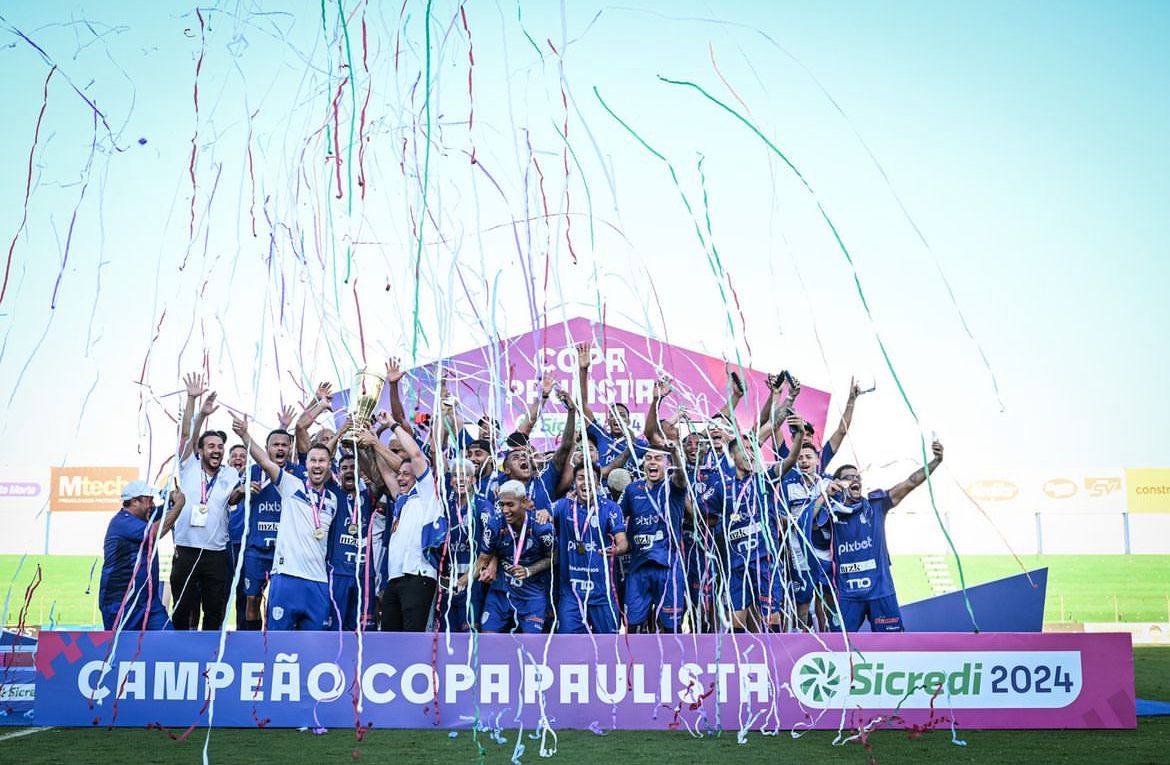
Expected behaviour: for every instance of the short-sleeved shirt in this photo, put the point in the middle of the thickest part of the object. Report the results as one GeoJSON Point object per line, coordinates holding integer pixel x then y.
{"type": "Point", "coordinates": [610, 448]}
{"type": "Point", "coordinates": [304, 511]}
{"type": "Point", "coordinates": [860, 556]}
{"type": "Point", "coordinates": [121, 564]}
{"type": "Point", "coordinates": [348, 533]}
{"type": "Point", "coordinates": [745, 508]}
{"type": "Point", "coordinates": [531, 544]}
{"type": "Point", "coordinates": [211, 491]}
{"type": "Point", "coordinates": [583, 535]}
{"type": "Point", "coordinates": [654, 516]}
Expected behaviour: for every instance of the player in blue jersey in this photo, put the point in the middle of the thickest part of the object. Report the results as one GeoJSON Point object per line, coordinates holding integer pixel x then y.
{"type": "Point", "coordinates": [237, 460]}
{"type": "Point", "coordinates": [750, 525]}
{"type": "Point", "coordinates": [523, 548]}
{"type": "Point", "coordinates": [591, 532]}
{"type": "Point", "coordinates": [130, 585]}
{"type": "Point", "coordinates": [654, 508]}
{"type": "Point", "coordinates": [617, 437]}
{"type": "Point", "coordinates": [349, 579]}
{"type": "Point", "coordinates": [809, 549]}
{"type": "Point", "coordinates": [263, 521]}
{"type": "Point", "coordinates": [298, 596]}
{"type": "Point", "coordinates": [456, 538]}
{"type": "Point", "coordinates": [861, 562]}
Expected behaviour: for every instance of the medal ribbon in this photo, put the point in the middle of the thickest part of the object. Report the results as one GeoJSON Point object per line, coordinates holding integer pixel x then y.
{"type": "Point", "coordinates": [518, 546]}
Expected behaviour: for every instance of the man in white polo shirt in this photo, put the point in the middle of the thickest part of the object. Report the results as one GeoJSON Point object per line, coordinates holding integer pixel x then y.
{"type": "Point", "coordinates": [298, 592]}
{"type": "Point", "coordinates": [201, 563]}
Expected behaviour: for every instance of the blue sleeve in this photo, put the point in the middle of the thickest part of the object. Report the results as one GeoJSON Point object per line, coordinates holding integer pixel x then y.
{"type": "Point", "coordinates": [625, 505]}
{"type": "Point", "coordinates": [641, 446]}
{"type": "Point", "coordinates": [616, 524]}
{"type": "Point", "coordinates": [604, 441]}
{"type": "Point", "coordinates": [782, 449]}
{"type": "Point", "coordinates": [549, 479]}
{"type": "Point", "coordinates": [880, 500]}
{"type": "Point", "coordinates": [827, 455]}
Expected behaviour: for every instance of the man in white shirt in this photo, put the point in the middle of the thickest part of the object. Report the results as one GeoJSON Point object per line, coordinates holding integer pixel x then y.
{"type": "Point", "coordinates": [201, 564]}
{"type": "Point", "coordinates": [298, 592]}
{"type": "Point", "coordinates": [409, 597]}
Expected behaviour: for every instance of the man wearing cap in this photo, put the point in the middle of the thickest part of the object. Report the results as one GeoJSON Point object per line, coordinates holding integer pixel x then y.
{"type": "Point", "coordinates": [199, 572]}
{"type": "Point", "coordinates": [130, 585]}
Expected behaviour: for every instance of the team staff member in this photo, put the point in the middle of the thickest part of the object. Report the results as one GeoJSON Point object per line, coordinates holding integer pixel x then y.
{"type": "Point", "coordinates": [130, 583]}
{"type": "Point", "coordinates": [199, 572]}
{"type": "Point", "coordinates": [861, 563]}
{"type": "Point", "coordinates": [298, 597]}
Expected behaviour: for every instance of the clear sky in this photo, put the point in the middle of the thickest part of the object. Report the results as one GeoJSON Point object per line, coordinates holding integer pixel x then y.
{"type": "Point", "coordinates": [1026, 141]}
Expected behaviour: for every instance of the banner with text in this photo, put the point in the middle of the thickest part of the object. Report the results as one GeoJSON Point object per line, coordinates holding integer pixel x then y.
{"type": "Point", "coordinates": [702, 682]}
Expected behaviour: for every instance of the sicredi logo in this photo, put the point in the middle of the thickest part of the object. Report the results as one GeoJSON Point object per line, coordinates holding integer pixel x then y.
{"type": "Point", "coordinates": [848, 547]}
{"type": "Point", "coordinates": [951, 679]}
{"type": "Point", "coordinates": [88, 488]}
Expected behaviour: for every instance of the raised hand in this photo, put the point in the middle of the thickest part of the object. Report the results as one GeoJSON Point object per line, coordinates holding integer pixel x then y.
{"type": "Point", "coordinates": [936, 449]}
{"type": "Point", "coordinates": [662, 388]}
{"type": "Point", "coordinates": [240, 427]}
{"type": "Point", "coordinates": [394, 371]}
{"type": "Point", "coordinates": [547, 383]}
{"type": "Point", "coordinates": [325, 395]}
{"type": "Point", "coordinates": [854, 389]}
{"type": "Point", "coordinates": [285, 417]}
{"type": "Point", "coordinates": [194, 384]}
{"type": "Point", "coordinates": [583, 355]}
{"type": "Point", "coordinates": [209, 406]}
{"type": "Point", "coordinates": [383, 420]}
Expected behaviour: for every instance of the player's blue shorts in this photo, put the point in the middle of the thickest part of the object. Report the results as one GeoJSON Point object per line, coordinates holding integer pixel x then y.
{"type": "Point", "coordinates": [656, 589]}
{"type": "Point", "coordinates": [298, 604]}
{"type": "Point", "coordinates": [884, 614]}
{"type": "Point", "coordinates": [343, 589]}
{"type": "Point", "coordinates": [600, 616]}
{"type": "Point", "coordinates": [757, 583]}
{"type": "Point", "coordinates": [801, 584]}
{"type": "Point", "coordinates": [257, 569]}
{"type": "Point", "coordinates": [509, 611]}
{"type": "Point", "coordinates": [158, 619]}
{"type": "Point", "coordinates": [456, 613]}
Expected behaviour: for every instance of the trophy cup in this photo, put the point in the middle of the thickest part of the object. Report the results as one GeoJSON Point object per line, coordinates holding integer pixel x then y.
{"type": "Point", "coordinates": [363, 399]}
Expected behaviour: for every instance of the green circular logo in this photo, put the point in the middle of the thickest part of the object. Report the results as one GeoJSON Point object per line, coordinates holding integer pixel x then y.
{"type": "Point", "coordinates": [818, 679]}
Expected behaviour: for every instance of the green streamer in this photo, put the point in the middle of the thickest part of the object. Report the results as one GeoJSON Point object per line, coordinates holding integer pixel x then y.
{"type": "Point", "coordinates": [868, 313]}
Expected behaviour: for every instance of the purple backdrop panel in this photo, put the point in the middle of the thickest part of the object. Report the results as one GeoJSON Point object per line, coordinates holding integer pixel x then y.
{"type": "Point", "coordinates": [988, 680]}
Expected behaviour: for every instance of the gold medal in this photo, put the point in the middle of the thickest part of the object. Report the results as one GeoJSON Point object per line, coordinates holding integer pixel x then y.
{"type": "Point", "coordinates": [319, 533]}
{"type": "Point", "coordinates": [201, 508]}
{"type": "Point", "coordinates": [353, 529]}
{"type": "Point", "coordinates": [734, 517]}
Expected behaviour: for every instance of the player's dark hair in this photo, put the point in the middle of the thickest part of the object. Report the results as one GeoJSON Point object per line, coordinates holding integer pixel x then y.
{"type": "Point", "coordinates": [582, 465]}
{"type": "Point", "coordinates": [208, 434]}
{"type": "Point", "coordinates": [277, 432]}
{"type": "Point", "coordinates": [837, 473]}
{"type": "Point", "coordinates": [322, 447]}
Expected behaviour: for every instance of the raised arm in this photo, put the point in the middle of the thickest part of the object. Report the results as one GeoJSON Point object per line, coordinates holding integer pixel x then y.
{"type": "Point", "coordinates": [653, 428]}
{"type": "Point", "coordinates": [418, 460]}
{"type": "Point", "coordinates": [846, 417]}
{"type": "Point", "coordinates": [394, 375]}
{"type": "Point", "coordinates": [172, 515]}
{"type": "Point", "coordinates": [735, 391]}
{"type": "Point", "coordinates": [795, 424]}
{"type": "Point", "coordinates": [270, 468]}
{"type": "Point", "coordinates": [583, 360]}
{"type": "Point", "coordinates": [386, 461]}
{"type": "Point", "coordinates": [187, 434]}
{"type": "Point", "coordinates": [568, 436]}
{"type": "Point", "coordinates": [546, 388]}
{"type": "Point", "coordinates": [320, 404]}
{"type": "Point", "coordinates": [916, 479]}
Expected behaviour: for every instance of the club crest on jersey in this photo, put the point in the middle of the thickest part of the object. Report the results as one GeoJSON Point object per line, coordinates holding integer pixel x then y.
{"type": "Point", "coordinates": [277, 613]}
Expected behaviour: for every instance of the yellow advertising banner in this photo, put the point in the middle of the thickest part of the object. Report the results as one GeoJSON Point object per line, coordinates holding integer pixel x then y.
{"type": "Point", "coordinates": [1148, 490]}
{"type": "Point", "coordinates": [88, 488]}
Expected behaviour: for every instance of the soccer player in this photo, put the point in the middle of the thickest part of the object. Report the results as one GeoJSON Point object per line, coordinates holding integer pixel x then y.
{"type": "Point", "coordinates": [591, 532]}
{"type": "Point", "coordinates": [861, 563]}
{"type": "Point", "coordinates": [617, 436]}
{"type": "Point", "coordinates": [129, 583]}
{"type": "Point", "coordinates": [522, 548]}
{"type": "Point", "coordinates": [298, 595]}
{"type": "Point", "coordinates": [654, 508]}
{"type": "Point", "coordinates": [200, 567]}
{"type": "Point", "coordinates": [456, 536]}
{"type": "Point", "coordinates": [809, 549]}
{"type": "Point", "coordinates": [264, 522]}
{"type": "Point", "coordinates": [349, 582]}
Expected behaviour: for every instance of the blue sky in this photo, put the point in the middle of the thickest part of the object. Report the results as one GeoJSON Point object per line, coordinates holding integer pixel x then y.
{"type": "Point", "coordinates": [1026, 141]}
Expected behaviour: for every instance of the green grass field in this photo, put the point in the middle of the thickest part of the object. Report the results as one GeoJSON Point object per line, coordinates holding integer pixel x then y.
{"type": "Point", "coordinates": [1084, 586]}
{"type": "Point", "coordinates": [1145, 746]}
